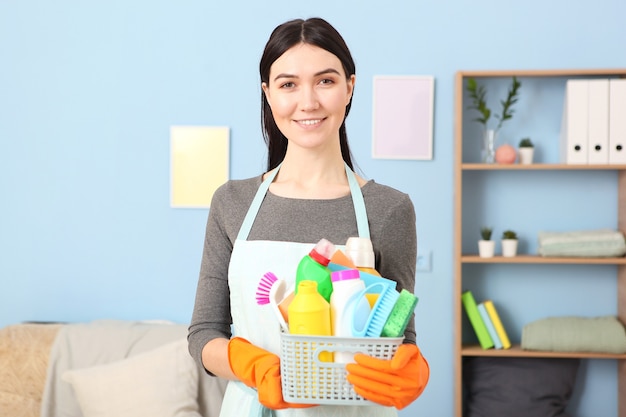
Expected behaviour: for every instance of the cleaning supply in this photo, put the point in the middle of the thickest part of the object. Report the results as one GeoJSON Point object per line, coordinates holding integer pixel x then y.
{"type": "Point", "coordinates": [272, 290]}
{"type": "Point", "coordinates": [368, 279]}
{"type": "Point", "coordinates": [283, 305]}
{"type": "Point", "coordinates": [265, 286]}
{"type": "Point", "coordinates": [313, 267]}
{"type": "Point", "coordinates": [380, 312]}
{"type": "Point", "coordinates": [400, 315]}
{"type": "Point", "coordinates": [361, 252]}
{"type": "Point", "coordinates": [260, 369]}
{"type": "Point", "coordinates": [340, 258]}
{"type": "Point", "coordinates": [309, 314]}
{"type": "Point", "coordinates": [396, 382]}
{"type": "Point", "coordinates": [346, 308]}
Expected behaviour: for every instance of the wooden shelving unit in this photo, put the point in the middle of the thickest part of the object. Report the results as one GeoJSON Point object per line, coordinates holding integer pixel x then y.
{"type": "Point", "coordinates": [461, 259]}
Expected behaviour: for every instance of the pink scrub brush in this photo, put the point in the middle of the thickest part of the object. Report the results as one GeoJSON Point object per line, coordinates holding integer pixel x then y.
{"type": "Point", "coordinates": [265, 286]}
{"type": "Point", "coordinates": [272, 290]}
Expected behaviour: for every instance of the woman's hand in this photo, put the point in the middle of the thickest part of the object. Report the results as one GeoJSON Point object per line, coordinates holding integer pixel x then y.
{"type": "Point", "coordinates": [396, 382]}
{"type": "Point", "coordinates": [260, 369]}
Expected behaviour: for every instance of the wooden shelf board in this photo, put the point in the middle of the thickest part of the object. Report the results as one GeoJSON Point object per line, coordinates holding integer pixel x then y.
{"type": "Point", "coordinates": [538, 167]}
{"type": "Point", "coordinates": [517, 352]}
{"type": "Point", "coordinates": [535, 259]}
{"type": "Point", "coordinates": [545, 72]}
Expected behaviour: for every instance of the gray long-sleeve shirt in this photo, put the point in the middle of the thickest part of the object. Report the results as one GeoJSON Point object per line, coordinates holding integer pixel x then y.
{"type": "Point", "coordinates": [391, 219]}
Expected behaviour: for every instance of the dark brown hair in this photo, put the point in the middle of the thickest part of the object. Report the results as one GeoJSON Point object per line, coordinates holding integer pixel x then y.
{"type": "Point", "coordinates": [313, 31]}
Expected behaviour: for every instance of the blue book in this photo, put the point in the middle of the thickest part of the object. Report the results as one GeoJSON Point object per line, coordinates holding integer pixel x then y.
{"type": "Point", "coordinates": [490, 327]}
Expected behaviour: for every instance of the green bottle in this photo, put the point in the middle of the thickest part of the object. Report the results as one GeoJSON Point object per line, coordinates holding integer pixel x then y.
{"type": "Point", "coordinates": [313, 267]}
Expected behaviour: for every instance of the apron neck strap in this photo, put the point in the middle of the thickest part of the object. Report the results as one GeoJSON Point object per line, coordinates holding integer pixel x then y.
{"type": "Point", "coordinates": [355, 191]}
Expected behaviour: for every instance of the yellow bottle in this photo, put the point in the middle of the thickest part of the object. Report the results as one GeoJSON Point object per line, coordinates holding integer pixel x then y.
{"type": "Point", "coordinates": [309, 314]}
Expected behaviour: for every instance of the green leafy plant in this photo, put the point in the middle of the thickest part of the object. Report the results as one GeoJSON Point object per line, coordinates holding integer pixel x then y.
{"type": "Point", "coordinates": [478, 95]}
{"type": "Point", "coordinates": [485, 233]}
{"type": "Point", "coordinates": [509, 234]}
{"type": "Point", "coordinates": [526, 143]}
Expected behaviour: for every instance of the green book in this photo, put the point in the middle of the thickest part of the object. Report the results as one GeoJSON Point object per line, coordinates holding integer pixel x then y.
{"type": "Point", "coordinates": [477, 323]}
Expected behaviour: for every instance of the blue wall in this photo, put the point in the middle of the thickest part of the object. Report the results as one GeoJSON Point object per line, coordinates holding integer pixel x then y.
{"type": "Point", "coordinates": [88, 91]}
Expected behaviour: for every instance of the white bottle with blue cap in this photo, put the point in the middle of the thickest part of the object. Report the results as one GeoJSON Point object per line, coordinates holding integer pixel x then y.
{"type": "Point", "coordinates": [346, 307]}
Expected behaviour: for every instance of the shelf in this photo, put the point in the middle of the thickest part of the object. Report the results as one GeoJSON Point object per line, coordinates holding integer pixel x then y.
{"type": "Point", "coordinates": [544, 73]}
{"type": "Point", "coordinates": [538, 167]}
{"type": "Point", "coordinates": [517, 352]}
{"type": "Point", "coordinates": [535, 259]}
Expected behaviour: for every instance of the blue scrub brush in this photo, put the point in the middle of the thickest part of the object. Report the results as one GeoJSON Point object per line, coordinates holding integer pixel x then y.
{"type": "Point", "coordinates": [380, 311]}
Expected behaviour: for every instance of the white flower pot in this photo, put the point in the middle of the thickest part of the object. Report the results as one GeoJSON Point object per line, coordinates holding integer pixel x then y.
{"type": "Point", "coordinates": [509, 247]}
{"type": "Point", "coordinates": [486, 248]}
{"type": "Point", "coordinates": [526, 155]}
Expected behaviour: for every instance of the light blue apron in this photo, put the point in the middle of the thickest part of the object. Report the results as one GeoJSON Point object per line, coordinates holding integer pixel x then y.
{"type": "Point", "coordinates": [257, 323]}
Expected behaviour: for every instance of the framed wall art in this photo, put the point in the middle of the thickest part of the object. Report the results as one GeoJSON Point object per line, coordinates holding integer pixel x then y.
{"type": "Point", "coordinates": [199, 157]}
{"type": "Point", "coordinates": [402, 122]}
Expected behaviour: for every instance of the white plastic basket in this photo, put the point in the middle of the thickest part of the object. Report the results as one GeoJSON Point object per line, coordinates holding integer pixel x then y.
{"type": "Point", "coordinates": [307, 380]}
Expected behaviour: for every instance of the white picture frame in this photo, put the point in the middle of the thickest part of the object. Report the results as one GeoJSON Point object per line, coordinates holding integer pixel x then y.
{"type": "Point", "coordinates": [402, 122]}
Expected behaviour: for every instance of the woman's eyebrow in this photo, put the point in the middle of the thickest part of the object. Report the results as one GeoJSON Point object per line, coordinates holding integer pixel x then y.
{"type": "Point", "coordinates": [317, 74]}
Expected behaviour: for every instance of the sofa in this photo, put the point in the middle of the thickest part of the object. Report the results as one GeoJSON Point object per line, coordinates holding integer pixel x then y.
{"type": "Point", "coordinates": [103, 368]}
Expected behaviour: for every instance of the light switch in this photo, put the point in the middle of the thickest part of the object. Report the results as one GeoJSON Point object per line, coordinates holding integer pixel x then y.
{"type": "Point", "coordinates": [423, 261]}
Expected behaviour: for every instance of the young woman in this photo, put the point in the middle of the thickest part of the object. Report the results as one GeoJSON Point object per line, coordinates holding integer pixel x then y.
{"type": "Point", "coordinates": [269, 222]}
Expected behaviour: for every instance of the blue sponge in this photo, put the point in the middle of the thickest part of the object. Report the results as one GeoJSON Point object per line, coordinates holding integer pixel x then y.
{"type": "Point", "coordinates": [400, 315]}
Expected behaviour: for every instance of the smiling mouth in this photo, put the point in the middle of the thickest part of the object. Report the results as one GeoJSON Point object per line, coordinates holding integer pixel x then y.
{"type": "Point", "coordinates": [310, 122]}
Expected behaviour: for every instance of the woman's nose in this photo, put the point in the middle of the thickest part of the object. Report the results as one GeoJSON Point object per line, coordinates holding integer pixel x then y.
{"type": "Point", "coordinates": [308, 99]}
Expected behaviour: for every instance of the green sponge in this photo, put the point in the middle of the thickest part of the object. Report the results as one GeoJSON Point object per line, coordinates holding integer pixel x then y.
{"type": "Point", "coordinates": [400, 315]}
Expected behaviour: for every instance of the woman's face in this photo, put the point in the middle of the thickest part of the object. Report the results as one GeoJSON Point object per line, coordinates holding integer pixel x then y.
{"type": "Point", "coordinates": [308, 93]}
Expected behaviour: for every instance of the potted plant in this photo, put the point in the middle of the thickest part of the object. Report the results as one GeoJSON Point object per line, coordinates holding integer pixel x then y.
{"type": "Point", "coordinates": [509, 243]}
{"type": "Point", "coordinates": [478, 95]}
{"type": "Point", "coordinates": [486, 246]}
{"type": "Point", "coordinates": [526, 150]}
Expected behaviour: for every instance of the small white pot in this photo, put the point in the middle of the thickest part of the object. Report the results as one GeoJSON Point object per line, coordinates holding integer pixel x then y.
{"type": "Point", "coordinates": [526, 155]}
{"type": "Point", "coordinates": [509, 247]}
{"type": "Point", "coordinates": [486, 248]}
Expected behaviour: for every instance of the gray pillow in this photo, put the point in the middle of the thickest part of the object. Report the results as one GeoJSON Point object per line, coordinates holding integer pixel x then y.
{"type": "Point", "coordinates": [518, 387]}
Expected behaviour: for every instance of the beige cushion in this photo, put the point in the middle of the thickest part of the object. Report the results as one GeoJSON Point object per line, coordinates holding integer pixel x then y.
{"type": "Point", "coordinates": [159, 383]}
{"type": "Point", "coordinates": [24, 352]}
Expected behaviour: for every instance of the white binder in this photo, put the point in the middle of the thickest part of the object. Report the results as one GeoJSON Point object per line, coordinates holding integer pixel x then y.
{"type": "Point", "coordinates": [575, 122]}
{"type": "Point", "coordinates": [617, 121]}
{"type": "Point", "coordinates": [598, 137]}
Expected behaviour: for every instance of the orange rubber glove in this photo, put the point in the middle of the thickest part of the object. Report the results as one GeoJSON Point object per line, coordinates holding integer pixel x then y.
{"type": "Point", "coordinates": [260, 369]}
{"type": "Point", "coordinates": [395, 382]}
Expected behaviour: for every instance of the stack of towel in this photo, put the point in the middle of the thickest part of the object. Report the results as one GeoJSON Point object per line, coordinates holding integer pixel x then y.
{"type": "Point", "coordinates": [589, 243]}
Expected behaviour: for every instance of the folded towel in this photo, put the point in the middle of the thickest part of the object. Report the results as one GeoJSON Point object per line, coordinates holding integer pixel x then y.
{"type": "Point", "coordinates": [604, 334]}
{"type": "Point", "coordinates": [588, 243]}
